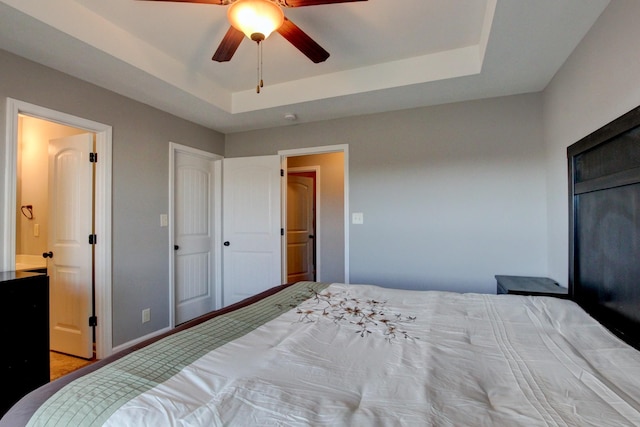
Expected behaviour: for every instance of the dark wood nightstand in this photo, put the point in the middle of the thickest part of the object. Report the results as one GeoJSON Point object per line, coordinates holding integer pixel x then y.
{"type": "Point", "coordinates": [537, 286]}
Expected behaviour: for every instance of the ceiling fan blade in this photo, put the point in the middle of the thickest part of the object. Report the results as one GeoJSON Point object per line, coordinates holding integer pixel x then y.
{"type": "Point", "coordinates": [302, 41]}
{"type": "Point", "coordinates": [300, 3]}
{"type": "Point", "coordinates": [228, 45]}
{"type": "Point", "coordinates": [218, 2]}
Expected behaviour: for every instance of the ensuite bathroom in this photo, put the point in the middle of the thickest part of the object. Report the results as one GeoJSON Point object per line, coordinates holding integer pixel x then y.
{"type": "Point", "coordinates": [33, 223]}
{"type": "Point", "coordinates": [32, 216]}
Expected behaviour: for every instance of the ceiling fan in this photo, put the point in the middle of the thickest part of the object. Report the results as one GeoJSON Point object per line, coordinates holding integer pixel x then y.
{"type": "Point", "coordinates": [283, 26]}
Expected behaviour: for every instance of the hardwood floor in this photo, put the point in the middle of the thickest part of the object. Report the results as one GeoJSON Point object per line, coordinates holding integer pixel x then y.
{"type": "Point", "coordinates": [62, 364]}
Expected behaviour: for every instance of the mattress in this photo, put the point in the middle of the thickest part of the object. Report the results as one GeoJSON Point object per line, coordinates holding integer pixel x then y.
{"type": "Point", "coordinates": [362, 355]}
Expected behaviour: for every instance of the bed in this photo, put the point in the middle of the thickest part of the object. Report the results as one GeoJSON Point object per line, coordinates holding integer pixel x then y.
{"type": "Point", "coordinates": [361, 355]}
{"type": "Point", "coordinates": [312, 353]}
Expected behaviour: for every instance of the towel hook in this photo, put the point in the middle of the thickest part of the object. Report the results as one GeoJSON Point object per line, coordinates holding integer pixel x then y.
{"type": "Point", "coordinates": [29, 209]}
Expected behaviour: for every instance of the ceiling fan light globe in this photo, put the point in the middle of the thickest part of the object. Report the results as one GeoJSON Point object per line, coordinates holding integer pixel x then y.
{"type": "Point", "coordinates": [255, 17]}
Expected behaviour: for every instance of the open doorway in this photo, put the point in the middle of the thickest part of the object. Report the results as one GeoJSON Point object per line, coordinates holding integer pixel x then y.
{"type": "Point", "coordinates": [102, 200]}
{"type": "Point", "coordinates": [323, 255]}
{"type": "Point", "coordinates": [55, 205]}
{"type": "Point", "coordinates": [302, 204]}
{"type": "Point", "coordinates": [254, 218]}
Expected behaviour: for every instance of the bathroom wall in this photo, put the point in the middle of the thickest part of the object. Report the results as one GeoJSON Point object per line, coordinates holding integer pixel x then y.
{"type": "Point", "coordinates": [34, 135]}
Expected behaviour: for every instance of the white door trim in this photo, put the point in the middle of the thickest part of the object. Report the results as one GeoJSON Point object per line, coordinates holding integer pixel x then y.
{"type": "Point", "coordinates": [102, 214]}
{"type": "Point", "coordinates": [344, 148]}
{"type": "Point", "coordinates": [217, 223]}
{"type": "Point", "coordinates": [318, 232]}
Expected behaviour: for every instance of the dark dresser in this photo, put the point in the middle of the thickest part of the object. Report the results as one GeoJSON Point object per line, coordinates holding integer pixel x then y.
{"type": "Point", "coordinates": [24, 328]}
{"type": "Point", "coordinates": [523, 285]}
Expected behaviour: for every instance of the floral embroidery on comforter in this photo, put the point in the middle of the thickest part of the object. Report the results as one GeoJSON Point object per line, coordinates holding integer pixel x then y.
{"type": "Point", "coordinates": [366, 316]}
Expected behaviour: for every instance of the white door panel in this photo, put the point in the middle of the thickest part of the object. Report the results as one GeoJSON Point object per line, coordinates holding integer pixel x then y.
{"type": "Point", "coordinates": [194, 235]}
{"type": "Point", "coordinates": [300, 228]}
{"type": "Point", "coordinates": [70, 224]}
{"type": "Point", "coordinates": [251, 226]}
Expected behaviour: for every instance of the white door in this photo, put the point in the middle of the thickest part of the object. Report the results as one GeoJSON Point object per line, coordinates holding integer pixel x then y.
{"type": "Point", "coordinates": [251, 226]}
{"type": "Point", "coordinates": [194, 235]}
{"type": "Point", "coordinates": [300, 228]}
{"type": "Point", "coordinates": [70, 257]}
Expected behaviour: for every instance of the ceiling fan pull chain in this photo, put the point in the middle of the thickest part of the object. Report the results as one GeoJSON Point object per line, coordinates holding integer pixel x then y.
{"type": "Point", "coordinates": [261, 67]}
{"type": "Point", "coordinates": [260, 83]}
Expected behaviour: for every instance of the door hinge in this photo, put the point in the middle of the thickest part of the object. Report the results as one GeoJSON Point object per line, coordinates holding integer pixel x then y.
{"type": "Point", "coordinates": [93, 321]}
{"type": "Point", "coordinates": [281, 172]}
{"type": "Point", "coordinates": [93, 239]}
{"type": "Point", "coordinates": [282, 231]}
{"type": "Point", "coordinates": [93, 157]}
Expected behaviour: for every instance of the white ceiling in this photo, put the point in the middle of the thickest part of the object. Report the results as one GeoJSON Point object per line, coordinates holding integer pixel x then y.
{"type": "Point", "coordinates": [384, 55]}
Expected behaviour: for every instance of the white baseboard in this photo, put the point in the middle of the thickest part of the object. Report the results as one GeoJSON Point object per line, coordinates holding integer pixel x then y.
{"type": "Point", "coordinates": [139, 340]}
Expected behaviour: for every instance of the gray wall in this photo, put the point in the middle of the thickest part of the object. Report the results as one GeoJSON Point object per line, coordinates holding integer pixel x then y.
{"type": "Point", "coordinates": [599, 82]}
{"type": "Point", "coordinates": [451, 195]}
{"type": "Point", "coordinates": [141, 136]}
{"type": "Point", "coordinates": [32, 170]}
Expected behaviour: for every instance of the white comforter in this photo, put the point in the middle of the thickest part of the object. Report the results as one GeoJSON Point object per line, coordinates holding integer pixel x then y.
{"type": "Point", "coordinates": [361, 355]}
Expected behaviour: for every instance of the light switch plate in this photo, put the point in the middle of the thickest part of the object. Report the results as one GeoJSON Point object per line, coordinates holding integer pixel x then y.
{"type": "Point", "coordinates": [164, 220]}
{"type": "Point", "coordinates": [357, 218]}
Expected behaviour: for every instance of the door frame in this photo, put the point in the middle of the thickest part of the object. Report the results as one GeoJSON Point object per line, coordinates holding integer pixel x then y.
{"type": "Point", "coordinates": [317, 232]}
{"type": "Point", "coordinates": [103, 202]}
{"type": "Point", "coordinates": [216, 220]}
{"type": "Point", "coordinates": [339, 148]}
